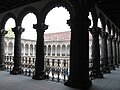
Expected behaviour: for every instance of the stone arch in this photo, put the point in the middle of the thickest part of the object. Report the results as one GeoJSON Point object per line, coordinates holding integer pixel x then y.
{"type": "Point", "coordinates": [31, 49]}
{"type": "Point", "coordinates": [116, 33]}
{"type": "Point", "coordinates": [94, 16]}
{"type": "Point", "coordinates": [52, 4]}
{"type": "Point", "coordinates": [53, 50]}
{"type": "Point", "coordinates": [113, 30]}
{"type": "Point", "coordinates": [63, 50]}
{"type": "Point", "coordinates": [10, 48]}
{"type": "Point", "coordinates": [26, 49]}
{"type": "Point", "coordinates": [49, 50]}
{"type": "Point", "coordinates": [24, 12]}
{"type": "Point", "coordinates": [109, 26]}
{"type": "Point", "coordinates": [103, 21]}
{"type": "Point", "coordinates": [6, 17]}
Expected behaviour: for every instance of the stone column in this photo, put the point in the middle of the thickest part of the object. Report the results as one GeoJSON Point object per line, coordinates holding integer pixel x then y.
{"type": "Point", "coordinates": [39, 63]}
{"type": "Point", "coordinates": [117, 48]}
{"type": "Point", "coordinates": [2, 48]}
{"type": "Point", "coordinates": [17, 50]}
{"type": "Point", "coordinates": [96, 73]}
{"type": "Point", "coordinates": [115, 51]}
{"type": "Point", "coordinates": [110, 52]}
{"type": "Point", "coordinates": [104, 52]}
{"type": "Point", "coordinates": [79, 52]}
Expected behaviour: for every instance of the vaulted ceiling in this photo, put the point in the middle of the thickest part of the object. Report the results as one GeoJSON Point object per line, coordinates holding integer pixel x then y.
{"type": "Point", "coordinates": [112, 10]}
{"type": "Point", "coordinates": [6, 5]}
{"type": "Point", "coordinates": [110, 7]}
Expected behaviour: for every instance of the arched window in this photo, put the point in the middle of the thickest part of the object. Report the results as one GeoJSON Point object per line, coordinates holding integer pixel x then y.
{"type": "Point", "coordinates": [6, 48]}
{"type": "Point", "coordinates": [58, 50]}
{"type": "Point", "coordinates": [31, 49]}
{"type": "Point", "coordinates": [10, 48]}
{"type": "Point", "coordinates": [63, 50]}
{"type": "Point", "coordinates": [26, 49]}
{"type": "Point", "coordinates": [68, 50]}
{"type": "Point", "coordinates": [53, 50]}
{"type": "Point", "coordinates": [49, 50]}
{"type": "Point", "coordinates": [22, 48]}
{"type": "Point", "coordinates": [34, 49]}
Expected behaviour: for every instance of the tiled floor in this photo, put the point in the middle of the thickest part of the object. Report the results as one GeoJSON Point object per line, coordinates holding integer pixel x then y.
{"type": "Point", "coordinates": [19, 82]}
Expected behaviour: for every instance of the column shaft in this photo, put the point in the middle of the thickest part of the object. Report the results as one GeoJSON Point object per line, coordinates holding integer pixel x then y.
{"type": "Point", "coordinates": [110, 52]}
{"type": "Point", "coordinates": [104, 52]}
{"type": "Point", "coordinates": [117, 48]}
{"type": "Point", "coordinates": [115, 52]}
{"type": "Point", "coordinates": [96, 73]}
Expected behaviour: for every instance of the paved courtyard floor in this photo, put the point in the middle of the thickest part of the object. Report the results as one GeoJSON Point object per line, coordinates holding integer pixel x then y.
{"type": "Point", "coordinates": [11, 82]}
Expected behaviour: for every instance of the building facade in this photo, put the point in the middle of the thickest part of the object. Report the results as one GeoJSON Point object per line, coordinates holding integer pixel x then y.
{"type": "Point", "coordinates": [56, 45]}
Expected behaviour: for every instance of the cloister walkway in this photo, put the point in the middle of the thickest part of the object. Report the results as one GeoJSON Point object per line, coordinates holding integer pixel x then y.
{"type": "Point", "coordinates": [19, 82]}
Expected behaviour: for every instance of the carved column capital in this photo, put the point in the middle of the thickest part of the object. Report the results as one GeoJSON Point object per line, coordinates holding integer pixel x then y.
{"type": "Point", "coordinates": [40, 27]}
{"type": "Point", "coordinates": [114, 39]}
{"type": "Point", "coordinates": [3, 32]}
{"type": "Point", "coordinates": [95, 31]}
{"type": "Point", "coordinates": [18, 30]}
{"type": "Point", "coordinates": [78, 22]}
{"type": "Point", "coordinates": [110, 37]}
{"type": "Point", "coordinates": [104, 35]}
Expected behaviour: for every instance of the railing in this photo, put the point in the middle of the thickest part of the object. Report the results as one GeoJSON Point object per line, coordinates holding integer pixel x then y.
{"type": "Point", "coordinates": [57, 69]}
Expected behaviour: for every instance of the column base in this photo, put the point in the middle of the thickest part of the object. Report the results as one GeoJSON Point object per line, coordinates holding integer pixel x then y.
{"type": "Point", "coordinates": [112, 67]}
{"type": "Point", "coordinates": [116, 65]}
{"type": "Point", "coordinates": [82, 84]}
{"type": "Point", "coordinates": [2, 67]}
{"type": "Point", "coordinates": [41, 76]}
{"type": "Point", "coordinates": [16, 71]}
{"type": "Point", "coordinates": [105, 69]}
{"type": "Point", "coordinates": [96, 74]}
